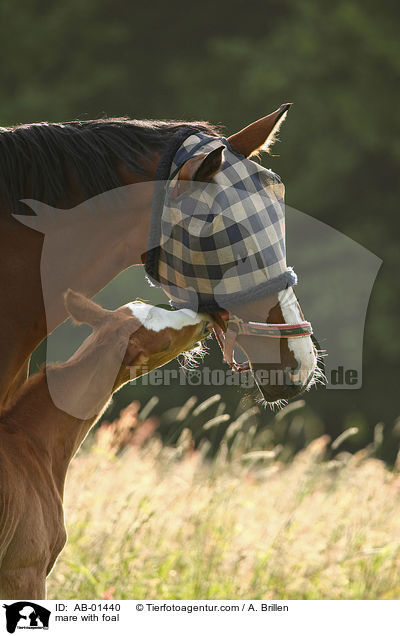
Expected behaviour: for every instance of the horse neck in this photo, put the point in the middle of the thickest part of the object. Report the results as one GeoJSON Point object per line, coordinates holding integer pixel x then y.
{"type": "Point", "coordinates": [85, 247]}
{"type": "Point", "coordinates": [93, 261]}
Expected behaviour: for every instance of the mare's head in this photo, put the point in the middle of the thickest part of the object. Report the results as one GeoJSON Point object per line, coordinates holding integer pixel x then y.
{"type": "Point", "coordinates": [222, 250]}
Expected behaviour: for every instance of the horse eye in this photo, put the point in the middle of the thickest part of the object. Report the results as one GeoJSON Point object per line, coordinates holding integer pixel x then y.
{"type": "Point", "coordinates": [166, 346]}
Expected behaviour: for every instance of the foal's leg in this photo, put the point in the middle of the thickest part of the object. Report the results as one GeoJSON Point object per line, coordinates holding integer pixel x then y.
{"type": "Point", "coordinates": [23, 584]}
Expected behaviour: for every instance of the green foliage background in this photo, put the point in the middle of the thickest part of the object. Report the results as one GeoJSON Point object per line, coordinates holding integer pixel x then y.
{"type": "Point", "coordinates": [232, 62]}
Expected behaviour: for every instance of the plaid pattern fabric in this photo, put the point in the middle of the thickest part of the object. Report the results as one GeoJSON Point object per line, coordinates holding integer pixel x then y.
{"type": "Point", "coordinates": [221, 244]}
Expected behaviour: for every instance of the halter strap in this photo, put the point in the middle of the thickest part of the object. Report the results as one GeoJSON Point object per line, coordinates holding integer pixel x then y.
{"type": "Point", "coordinates": [235, 327]}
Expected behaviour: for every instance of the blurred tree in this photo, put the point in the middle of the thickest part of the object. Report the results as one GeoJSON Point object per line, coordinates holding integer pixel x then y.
{"type": "Point", "coordinates": [232, 62]}
{"type": "Point", "coordinates": [69, 60]}
{"type": "Point", "coordinates": [339, 64]}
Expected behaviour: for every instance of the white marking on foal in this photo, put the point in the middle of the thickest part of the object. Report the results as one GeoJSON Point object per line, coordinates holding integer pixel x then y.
{"type": "Point", "coordinates": [302, 348]}
{"type": "Point", "coordinates": [157, 318]}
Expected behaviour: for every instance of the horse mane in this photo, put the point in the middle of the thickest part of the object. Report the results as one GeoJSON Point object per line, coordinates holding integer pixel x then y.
{"type": "Point", "coordinates": [39, 161]}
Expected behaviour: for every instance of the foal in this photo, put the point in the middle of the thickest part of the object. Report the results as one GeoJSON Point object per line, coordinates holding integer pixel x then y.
{"type": "Point", "coordinates": [51, 417]}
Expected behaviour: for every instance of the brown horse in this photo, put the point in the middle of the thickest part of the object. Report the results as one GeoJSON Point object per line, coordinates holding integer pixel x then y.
{"type": "Point", "coordinates": [66, 164]}
{"type": "Point", "coordinates": [52, 414]}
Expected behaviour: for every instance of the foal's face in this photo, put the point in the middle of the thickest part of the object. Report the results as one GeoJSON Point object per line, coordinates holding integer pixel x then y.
{"type": "Point", "coordinates": [137, 337]}
{"type": "Point", "coordinates": [159, 335]}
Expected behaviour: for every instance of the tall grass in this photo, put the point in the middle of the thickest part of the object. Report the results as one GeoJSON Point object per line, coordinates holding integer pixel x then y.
{"type": "Point", "coordinates": [149, 521]}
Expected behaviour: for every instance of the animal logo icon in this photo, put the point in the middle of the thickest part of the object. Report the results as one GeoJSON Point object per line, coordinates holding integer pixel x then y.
{"type": "Point", "coordinates": [194, 377]}
{"type": "Point", "coordinates": [26, 615]}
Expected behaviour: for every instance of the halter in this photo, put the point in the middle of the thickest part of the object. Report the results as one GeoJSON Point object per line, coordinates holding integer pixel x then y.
{"type": "Point", "coordinates": [227, 327]}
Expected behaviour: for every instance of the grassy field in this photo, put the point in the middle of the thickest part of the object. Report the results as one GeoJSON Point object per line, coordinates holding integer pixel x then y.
{"type": "Point", "coordinates": [146, 521]}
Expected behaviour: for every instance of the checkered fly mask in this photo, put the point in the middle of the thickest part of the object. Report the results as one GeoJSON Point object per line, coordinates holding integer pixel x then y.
{"type": "Point", "coordinates": [220, 244]}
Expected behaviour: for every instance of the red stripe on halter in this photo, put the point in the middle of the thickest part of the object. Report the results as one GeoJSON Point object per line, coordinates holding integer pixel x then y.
{"type": "Point", "coordinates": [235, 326]}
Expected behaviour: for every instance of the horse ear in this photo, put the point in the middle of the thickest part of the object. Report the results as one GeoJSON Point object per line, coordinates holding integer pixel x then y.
{"type": "Point", "coordinates": [260, 134]}
{"type": "Point", "coordinates": [202, 167]}
{"type": "Point", "coordinates": [83, 310]}
{"type": "Point", "coordinates": [210, 165]}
